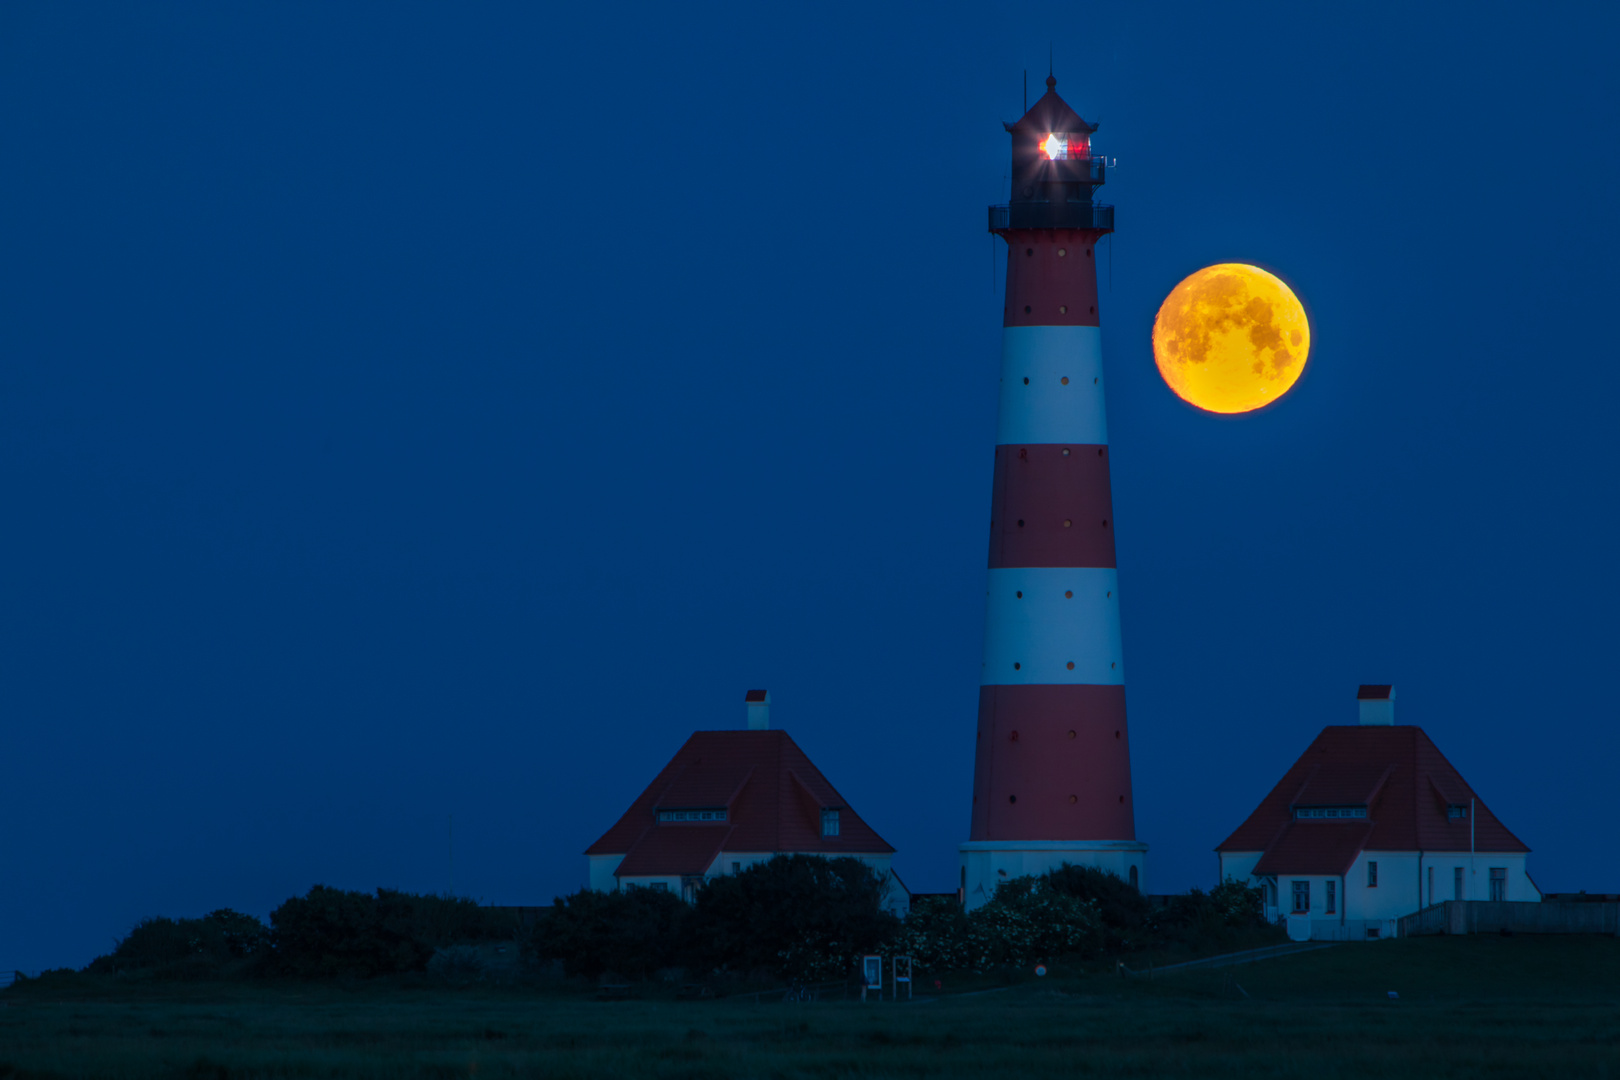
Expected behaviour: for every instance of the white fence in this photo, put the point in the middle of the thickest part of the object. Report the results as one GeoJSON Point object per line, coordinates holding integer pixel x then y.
{"type": "Point", "coordinates": [1513, 917]}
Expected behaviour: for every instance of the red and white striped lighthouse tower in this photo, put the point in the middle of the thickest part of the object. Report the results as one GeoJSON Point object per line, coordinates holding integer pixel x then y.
{"type": "Point", "coordinates": [1052, 772]}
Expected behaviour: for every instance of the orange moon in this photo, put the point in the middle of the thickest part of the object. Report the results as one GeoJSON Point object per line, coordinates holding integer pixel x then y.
{"type": "Point", "coordinates": [1231, 338]}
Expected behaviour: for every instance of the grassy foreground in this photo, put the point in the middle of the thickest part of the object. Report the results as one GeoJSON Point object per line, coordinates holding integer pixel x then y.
{"type": "Point", "coordinates": [1468, 1007]}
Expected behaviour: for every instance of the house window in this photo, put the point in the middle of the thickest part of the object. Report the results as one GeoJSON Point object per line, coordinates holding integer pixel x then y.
{"type": "Point", "coordinates": [1332, 812]}
{"type": "Point", "coordinates": [692, 815]}
{"type": "Point", "coordinates": [829, 823]}
{"type": "Point", "coordinates": [1372, 875]}
{"type": "Point", "coordinates": [1133, 878]}
{"type": "Point", "coordinates": [1456, 810]}
{"type": "Point", "coordinates": [1374, 933]}
{"type": "Point", "coordinates": [659, 886]}
{"type": "Point", "coordinates": [736, 868]}
{"type": "Point", "coordinates": [1498, 883]}
{"type": "Point", "coordinates": [1332, 904]}
{"type": "Point", "coordinates": [1302, 897]}
{"type": "Point", "coordinates": [1456, 883]}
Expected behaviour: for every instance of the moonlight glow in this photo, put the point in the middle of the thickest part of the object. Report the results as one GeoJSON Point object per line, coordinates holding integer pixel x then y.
{"type": "Point", "coordinates": [1231, 338]}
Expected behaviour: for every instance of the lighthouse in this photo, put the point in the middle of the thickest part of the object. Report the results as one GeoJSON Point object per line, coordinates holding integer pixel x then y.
{"type": "Point", "coordinates": [1052, 773]}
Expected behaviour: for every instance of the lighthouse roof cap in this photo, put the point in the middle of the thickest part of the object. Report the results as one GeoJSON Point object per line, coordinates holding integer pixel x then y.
{"type": "Point", "coordinates": [1050, 113]}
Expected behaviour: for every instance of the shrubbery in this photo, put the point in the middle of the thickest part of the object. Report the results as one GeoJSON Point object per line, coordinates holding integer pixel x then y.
{"type": "Point", "coordinates": [1027, 920]}
{"type": "Point", "coordinates": [1124, 914]}
{"type": "Point", "coordinates": [1199, 917]}
{"type": "Point", "coordinates": [632, 933]}
{"type": "Point", "coordinates": [1071, 911]}
{"type": "Point", "coordinates": [330, 932]}
{"type": "Point", "coordinates": [794, 917]}
{"type": "Point", "coordinates": [326, 933]}
{"type": "Point", "coordinates": [223, 942]}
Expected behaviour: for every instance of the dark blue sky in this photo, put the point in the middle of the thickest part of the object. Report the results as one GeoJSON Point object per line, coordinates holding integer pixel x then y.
{"type": "Point", "coordinates": [416, 410]}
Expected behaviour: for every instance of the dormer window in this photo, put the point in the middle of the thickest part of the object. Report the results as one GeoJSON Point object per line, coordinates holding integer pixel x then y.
{"type": "Point", "coordinates": [829, 823]}
{"type": "Point", "coordinates": [1456, 810]}
{"type": "Point", "coordinates": [686, 816]}
{"type": "Point", "coordinates": [1334, 813]}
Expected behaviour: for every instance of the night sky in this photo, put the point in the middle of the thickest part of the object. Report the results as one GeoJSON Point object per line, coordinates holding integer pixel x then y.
{"type": "Point", "coordinates": [410, 411]}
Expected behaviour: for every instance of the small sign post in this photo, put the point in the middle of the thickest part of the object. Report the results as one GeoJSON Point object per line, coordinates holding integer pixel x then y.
{"type": "Point", "coordinates": [872, 976]}
{"type": "Point", "coordinates": [902, 974]}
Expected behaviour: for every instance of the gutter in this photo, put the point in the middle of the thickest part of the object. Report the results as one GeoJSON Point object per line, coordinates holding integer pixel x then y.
{"type": "Point", "coordinates": [1420, 881]}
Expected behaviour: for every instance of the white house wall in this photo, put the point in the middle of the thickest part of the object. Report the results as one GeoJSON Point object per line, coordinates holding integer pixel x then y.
{"type": "Point", "coordinates": [601, 870]}
{"type": "Point", "coordinates": [1396, 893]}
{"type": "Point", "coordinates": [1402, 888]}
{"type": "Point", "coordinates": [1476, 870]}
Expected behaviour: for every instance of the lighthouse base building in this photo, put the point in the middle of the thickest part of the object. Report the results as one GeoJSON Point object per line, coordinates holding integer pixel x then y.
{"type": "Point", "coordinates": [987, 863]}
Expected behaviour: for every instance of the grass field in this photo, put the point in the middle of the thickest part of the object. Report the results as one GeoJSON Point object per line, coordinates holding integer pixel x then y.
{"type": "Point", "coordinates": [1468, 1007]}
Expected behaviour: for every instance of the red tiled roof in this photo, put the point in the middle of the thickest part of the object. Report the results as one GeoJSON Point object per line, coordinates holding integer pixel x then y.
{"type": "Point", "coordinates": [700, 787]}
{"type": "Point", "coordinates": [1309, 847]}
{"type": "Point", "coordinates": [1351, 783]}
{"type": "Point", "coordinates": [1370, 692]}
{"type": "Point", "coordinates": [674, 849]}
{"type": "Point", "coordinates": [773, 795]}
{"type": "Point", "coordinates": [754, 695]}
{"type": "Point", "coordinates": [1406, 784]}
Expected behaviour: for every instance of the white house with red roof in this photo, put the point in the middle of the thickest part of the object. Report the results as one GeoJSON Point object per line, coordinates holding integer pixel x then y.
{"type": "Point", "coordinates": [728, 800]}
{"type": "Point", "coordinates": [1370, 824]}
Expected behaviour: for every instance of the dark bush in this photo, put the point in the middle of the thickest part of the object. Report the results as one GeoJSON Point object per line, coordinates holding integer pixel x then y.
{"type": "Point", "coordinates": [243, 935]}
{"type": "Point", "coordinates": [1212, 920]}
{"type": "Point", "coordinates": [1027, 920]}
{"type": "Point", "coordinates": [1125, 913]}
{"type": "Point", "coordinates": [1240, 906]}
{"type": "Point", "coordinates": [221, 943]}
{"type": "Point", "coordinates": [797, 916]}
{"type": "Point", "coordinates": [935, 935]}
{"type": "Point", "coordinates": [330, 933]}
{"type": "Point", "coordinates": [632, 933]}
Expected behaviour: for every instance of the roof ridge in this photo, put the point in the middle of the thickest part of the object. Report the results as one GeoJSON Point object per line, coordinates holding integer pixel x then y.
{"type": "Point", "coordinates": [1417, 794]}
{"type": "Point", "coordinates": [1378, 786]}
{"type": "Point", "coordinates": [781, 794]}
{"type": "Point", "coordinates": [1468, 789]}
{"type": "Point", "coordinates": [747, 776]}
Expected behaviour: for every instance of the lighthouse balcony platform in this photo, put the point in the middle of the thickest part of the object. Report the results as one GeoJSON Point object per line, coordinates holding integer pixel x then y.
{"type": "Point", "coordinates": [1052, 215]}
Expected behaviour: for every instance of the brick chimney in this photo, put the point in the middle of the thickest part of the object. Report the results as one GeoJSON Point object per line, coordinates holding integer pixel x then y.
{"type": "Point", "coordinates": [1377, 705]}
{"type": "Point", "coordinates": [759, 710]}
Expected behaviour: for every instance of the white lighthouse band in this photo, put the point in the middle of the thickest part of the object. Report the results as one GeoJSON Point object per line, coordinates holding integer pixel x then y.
{"type": "Point", "coordinates": [1051, 386]}
{"type": "Point", "coordinates": [1045, 625]}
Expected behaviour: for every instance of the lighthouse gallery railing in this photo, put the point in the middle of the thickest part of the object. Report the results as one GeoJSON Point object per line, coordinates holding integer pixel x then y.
{"type": "Point", "coordinates": [1049, 215]}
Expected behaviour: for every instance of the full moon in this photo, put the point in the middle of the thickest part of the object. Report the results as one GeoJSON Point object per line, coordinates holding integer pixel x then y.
{"type": "Point", "coordinates": [1231, 338]}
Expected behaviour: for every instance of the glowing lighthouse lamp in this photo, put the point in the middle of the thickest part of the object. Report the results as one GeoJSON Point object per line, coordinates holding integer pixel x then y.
{"type": "Point", "coordinates": [1052, 776]}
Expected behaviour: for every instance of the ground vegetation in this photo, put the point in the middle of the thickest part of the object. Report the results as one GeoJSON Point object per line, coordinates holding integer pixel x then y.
{"type": "Point", "coordinates": [1465, 1007]}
